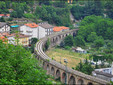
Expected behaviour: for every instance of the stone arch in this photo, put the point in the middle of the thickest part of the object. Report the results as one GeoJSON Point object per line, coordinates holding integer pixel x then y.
{"type": "Point", "coordinates": [64, 77]}
{"type": "Point", "coordinates": [90, 83]}
{"type": "Point", "coordinates": [59, 36]}
{"type": "Point", "coordinates": [56, 39]}
{"type": "Point", "coordinates": [80, 82]}
{"type": "Point", "coordinates": [72, 80]}
{"type": "Point", "coordinates": [63, 36]}
{"type": "Point", "coordinates": [52, 70]}
{"type": "Point", "coordinates": [47, 68]}
{"type": "Point", "coordinates": [58, 74]}
{"type": "Point", "coordinates": [53, 40]}
{"type": "Point", "coordinates": [66, 34]}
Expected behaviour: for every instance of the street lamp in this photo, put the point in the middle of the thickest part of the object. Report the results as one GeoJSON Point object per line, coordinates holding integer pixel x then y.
{"type": "Point", "coordinates": [65, 61]}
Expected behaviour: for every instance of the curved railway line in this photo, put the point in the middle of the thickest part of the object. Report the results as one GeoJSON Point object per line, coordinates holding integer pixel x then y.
{"type": "Point", "coordinates": [73, 76]}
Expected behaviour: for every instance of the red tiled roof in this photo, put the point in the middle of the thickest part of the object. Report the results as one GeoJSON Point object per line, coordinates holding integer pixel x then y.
{"type": "Point", "coordinates": [32, 25]}
{"type": "Point", "coordinates": [57, 29]}
{"type": "Point", "coordinates": [62, 27]}
{"type": "Point", "coordinates": [1, 14]}
{"type": "Point", "coordinates": [4, 14]}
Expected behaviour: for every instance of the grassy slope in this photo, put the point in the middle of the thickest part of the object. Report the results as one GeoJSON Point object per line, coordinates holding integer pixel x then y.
{"type": "Point", "coordinates": [72, 57]}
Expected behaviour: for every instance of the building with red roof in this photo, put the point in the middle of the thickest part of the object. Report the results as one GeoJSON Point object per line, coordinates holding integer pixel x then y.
{"type": "Point", "coordinates": [10, 10]}
{"type": "Point", "coordinates": [5, 15]}
{"type": "Point", "coordinates": [33, 30]}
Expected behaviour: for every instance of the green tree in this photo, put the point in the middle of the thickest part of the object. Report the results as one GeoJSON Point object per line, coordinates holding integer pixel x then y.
{"type": "Point", "coordinates": [2, 19]}
{"type": "Point", "coordinates": [34, 40]}
{"type": "Point", "coordinates": [85, 67]}
{"type": "Point", "coordinates": [99, 42]}
{"type": "Point", "coordinates": [79, 41]}
{"type": "Point", "coordinates": [68, 41]}
{"type": "Point", "coordinates": [47, 44]}
{"type": "Point", "coordinates": [79, 66]}
{"type": "Point", "coordinates": [14, 14]}
{"type": "Point", "coordinates": [19, 66]}
{"type": "Point", "coordinates": [109, 8]}
{"type": "Point", "coordinates": [29, 15]}
{"type": "Point", "coordinates": [92, 37]}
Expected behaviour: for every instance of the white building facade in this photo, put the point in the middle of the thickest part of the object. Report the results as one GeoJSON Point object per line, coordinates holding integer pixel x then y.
{"type": "Point", "coordinates": [48, 28]}
{"type": "Point", "coordinates": [4, 27]}
{"type": "Point", "coordinates": [33, 30]}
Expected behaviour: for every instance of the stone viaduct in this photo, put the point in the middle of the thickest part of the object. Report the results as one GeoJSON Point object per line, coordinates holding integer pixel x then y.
{"type": "Point", "coordinates": [58, 70]}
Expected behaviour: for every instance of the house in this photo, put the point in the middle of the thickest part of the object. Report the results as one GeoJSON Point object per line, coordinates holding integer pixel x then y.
{"type": "Point", "coordinates": [60, 29]}
{"type": "Point", "coordinates": [5, 15]}
{"type": "Point", "coordinates": [33, 30]}
{"type": "Point", "coordinates": [10, 37]}
{"type": "Point", "coordinates": [10, 10]}
{"type": "Point", "coordinates": [20, 39]}
{"type": "Point", "coordinates": [1, 15]}
{"type": "Point", "coordinates": [48, 28]}
{"type": "Point", "coordinates": [15, 39]}
{"type": "Point", "coordinates": [79, 50]}
{"type": "Point", "coordinates": [4, 27]}
{"type": "Point", "coordinates": [104, 73]}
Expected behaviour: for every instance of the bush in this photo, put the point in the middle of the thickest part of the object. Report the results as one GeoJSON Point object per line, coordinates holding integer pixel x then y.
{"type": "Point", "coordinates": [67, 47]}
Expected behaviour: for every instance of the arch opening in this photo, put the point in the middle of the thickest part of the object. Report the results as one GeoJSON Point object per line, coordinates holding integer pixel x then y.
{"type": "Point", "coordinates": [47, 69]}
{"type": "Point", "coordinates": [52, 71]}
{"type": "Point", "coordinates": [89, 83]}
{"type": "Point", "coordinates": [56, 39]}
{"type": "Point", "coordinates": [72, 80]}
{"type": "Point", "coordinates": [57, 75]}
{"type": "Point", "coordinates": [59, 36]}
{"type": "Point", "coordinates": [53, 40]}
{"type": "Point", "coordinates": [80, 82]}
{"type": "Point", "coordinates": [64, 77]}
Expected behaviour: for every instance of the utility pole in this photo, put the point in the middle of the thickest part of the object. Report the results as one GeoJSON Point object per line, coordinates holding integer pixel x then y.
{"type": "Point", "coordinates": [65, 61]}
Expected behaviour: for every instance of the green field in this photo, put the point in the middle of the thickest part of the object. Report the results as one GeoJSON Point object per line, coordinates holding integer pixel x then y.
{"type": "Point", "coordinates": [72, 57]}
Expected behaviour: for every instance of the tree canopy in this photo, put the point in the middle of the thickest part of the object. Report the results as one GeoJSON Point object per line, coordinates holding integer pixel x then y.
{"type": "Point", "coordinates": [19, 66]}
